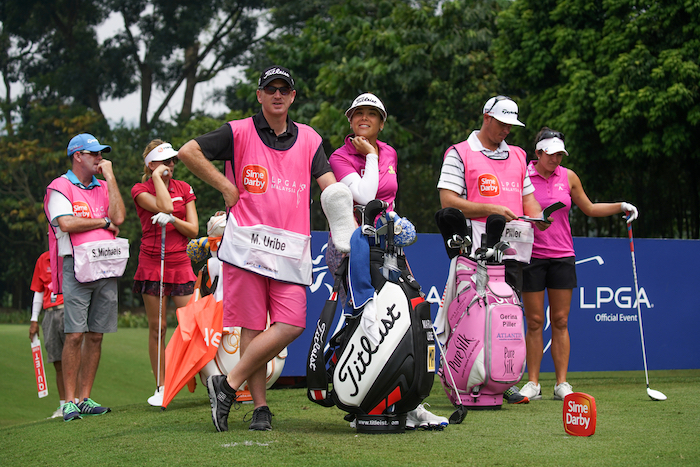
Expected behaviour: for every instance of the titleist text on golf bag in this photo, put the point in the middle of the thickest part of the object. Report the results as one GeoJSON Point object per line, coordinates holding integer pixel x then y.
{"type": "Point", "coordinates": [381, 366]}
{"type": "Point", "coordinates": [485, 346]}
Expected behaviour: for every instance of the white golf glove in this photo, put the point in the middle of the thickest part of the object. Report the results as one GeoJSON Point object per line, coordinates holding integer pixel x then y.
{"type": "Point", "coordinates": [163, 219]}
{"type": "Point", "coordinates": [628, 208]}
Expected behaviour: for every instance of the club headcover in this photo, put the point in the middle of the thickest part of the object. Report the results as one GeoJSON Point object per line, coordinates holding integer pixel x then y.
{"type": "Point", "coordinates": [495, 224]}
{"type": "Point", "coordinates": [451, 222]}
{"type": "Point", "coordinates": [336, 201]}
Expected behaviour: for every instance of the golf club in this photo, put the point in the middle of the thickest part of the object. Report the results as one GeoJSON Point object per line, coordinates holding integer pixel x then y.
{"type": "Point", "coordinates": [458, 415]}
{"type": "Point", "coordinates": [654, 395]}
{"type": "Point", "coordinates": [160, 301]}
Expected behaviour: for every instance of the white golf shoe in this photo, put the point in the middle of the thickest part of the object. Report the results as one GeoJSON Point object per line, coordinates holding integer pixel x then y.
{"type": "Point", "coordinates": [58, 412]}
{"type": "Point", "coordinates": [156, 400]}
{"type": "Point", "coordinates": [562, 390]}
{"type": "Point", "coordinates": [532, 391]}
{"type": "Point", "coordinates": [421, 417]}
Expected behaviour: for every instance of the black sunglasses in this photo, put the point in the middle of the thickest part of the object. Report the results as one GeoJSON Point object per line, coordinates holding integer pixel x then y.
{"type": "Point", "coordinates": [271, 90]}
{"type": "Point", "coordinates": [174, 160]}
{"type": "Point", "coordinates": [496, 101]}
{"type": "Point", "coordinates": [547, 134]}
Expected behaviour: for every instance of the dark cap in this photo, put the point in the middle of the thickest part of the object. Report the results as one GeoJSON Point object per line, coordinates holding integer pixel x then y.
{"type": "Point", "coordinates": [275, 72]}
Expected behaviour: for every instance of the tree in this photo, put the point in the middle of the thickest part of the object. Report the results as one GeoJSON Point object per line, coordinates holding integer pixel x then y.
{"type": "Point", "coordinates": [620, 79]}
{"type": "Point", "coordinates": [427, 60]}
{"type": "Point", "coordinates": [30, 160]}
{"type": "Point", "coordinates": [65, 61]}
{"type": "Point", "coordinates": [171, 42]}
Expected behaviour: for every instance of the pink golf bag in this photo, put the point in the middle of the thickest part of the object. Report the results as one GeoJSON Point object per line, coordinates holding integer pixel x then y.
{"type": "Point", "coordinates": [485, 345]}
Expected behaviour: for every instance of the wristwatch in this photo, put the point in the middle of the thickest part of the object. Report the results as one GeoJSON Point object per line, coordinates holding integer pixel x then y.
{"type": "Point", "coordinates": [107, 223]}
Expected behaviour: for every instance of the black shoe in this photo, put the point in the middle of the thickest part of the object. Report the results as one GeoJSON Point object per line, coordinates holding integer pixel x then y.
{"type": "Point", "coordinates": [262, 419]}
{"type": "Point", "coordinates": [513, 396]}
{"type": "Point", "coordinates": [220, 402]}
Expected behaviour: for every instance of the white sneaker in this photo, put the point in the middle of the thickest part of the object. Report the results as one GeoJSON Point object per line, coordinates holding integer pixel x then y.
{"type": "Point", "coordinates": [58, 412]}
{"type": "Point", "coordinates": [156, 400]}
{"type": "Point", "coordinates": [532, 391]}
{"type": "Point", "coordinates": [420, 417]}
{"type": "Point", "coordinates": [562, 390]}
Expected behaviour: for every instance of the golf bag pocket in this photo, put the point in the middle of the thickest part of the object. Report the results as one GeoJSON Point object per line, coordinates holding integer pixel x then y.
{"type": "Point", "coordinates": [100, 259]}
{"type": "Point", "coordinates": [505, 358]}
{"type": "Point", "coordinates": [396, 373]}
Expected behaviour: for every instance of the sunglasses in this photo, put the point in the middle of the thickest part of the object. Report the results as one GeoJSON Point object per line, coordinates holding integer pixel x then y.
{"type": "Point", "coordinates": [271, 90]}
{"type": "Point", "coordinates": [551, 134]}
{"type": "Point", "coordinates": [496, 101]}
{"type": "Point", "coordinates": [172, 160]}
{"type": "Point", "coordinates": [91, 153]}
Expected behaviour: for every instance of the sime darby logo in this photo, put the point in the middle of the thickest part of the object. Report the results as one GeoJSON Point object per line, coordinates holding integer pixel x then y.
{"type": "Point", "coordinates": [488, 185]}
{"type": "Point", "coordinates": [81, 209]}
{"type": "Point", "coordinates": [255, 179]}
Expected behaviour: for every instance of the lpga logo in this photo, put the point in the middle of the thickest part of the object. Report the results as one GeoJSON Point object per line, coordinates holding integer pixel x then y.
{"type": "Point", "coordinates": [622, 298]}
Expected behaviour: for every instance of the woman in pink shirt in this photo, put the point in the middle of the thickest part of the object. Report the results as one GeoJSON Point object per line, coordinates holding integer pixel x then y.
{"type": "Point", "coordinates": [363, 163]}
{"type": "Point", "coordinates": [552, 265]}
{"type": "Point", "coordinates": [163, 201]}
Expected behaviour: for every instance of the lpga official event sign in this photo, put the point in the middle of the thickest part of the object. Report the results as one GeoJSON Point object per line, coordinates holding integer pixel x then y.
{"type": "Point", "coordinates": [603, 322]}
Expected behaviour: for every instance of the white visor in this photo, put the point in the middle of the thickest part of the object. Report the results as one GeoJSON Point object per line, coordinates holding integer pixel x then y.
{"type": "Point", "coordinates": [161, 153]}
{"type": "Point", "coordinates": [552, 146]}
{"type": "Point", "coordinates": [366, 99]}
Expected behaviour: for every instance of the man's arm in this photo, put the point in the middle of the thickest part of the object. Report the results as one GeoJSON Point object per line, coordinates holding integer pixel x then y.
{"type": "Point", "coordinates": [471, 209]}
{"type": "Point", "coordinates": [117, 211]}
{"type": "Point", "coordinates": [325, 180]}
{"type": "Point", "coordinates": [192, 156]}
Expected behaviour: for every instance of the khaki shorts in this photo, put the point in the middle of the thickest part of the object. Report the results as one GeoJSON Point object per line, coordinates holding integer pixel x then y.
{"type": "Point", "coordinates": [89, 307]}
{"type": "Point", "coordinates": [54, 337]}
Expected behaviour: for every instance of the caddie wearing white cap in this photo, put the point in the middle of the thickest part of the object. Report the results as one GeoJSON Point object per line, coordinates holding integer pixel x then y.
{"type": "Point", "coordinates": [482, 176]}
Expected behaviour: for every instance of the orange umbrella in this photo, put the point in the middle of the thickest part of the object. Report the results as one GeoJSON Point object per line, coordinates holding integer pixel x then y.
{"type": "Point", "coordinates": [193, 344]}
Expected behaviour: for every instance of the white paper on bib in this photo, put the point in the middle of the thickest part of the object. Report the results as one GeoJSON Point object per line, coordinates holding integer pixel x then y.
{"type": "Point", "coordinates": [268, 251]}
{"type": "Point", "coordinates": [519, 234]}
{"type": "Point", "coordinates": [100, 259]}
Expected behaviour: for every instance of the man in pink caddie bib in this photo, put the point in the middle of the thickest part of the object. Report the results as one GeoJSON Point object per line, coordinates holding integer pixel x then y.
{"type": "Point", "coordinates": [482, 176]}
{"type": "Point", "coordinates": [86, 260]}
{"type": "Point", "coordinates": [269, 164]}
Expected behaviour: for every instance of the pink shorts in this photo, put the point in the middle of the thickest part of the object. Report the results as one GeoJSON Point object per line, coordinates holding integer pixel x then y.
{"type": "Point", "coordinates": [248, 297]}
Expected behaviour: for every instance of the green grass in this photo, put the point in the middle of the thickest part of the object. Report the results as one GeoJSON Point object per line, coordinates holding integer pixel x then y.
{"type": "Point", "coordinates": [631, 429]}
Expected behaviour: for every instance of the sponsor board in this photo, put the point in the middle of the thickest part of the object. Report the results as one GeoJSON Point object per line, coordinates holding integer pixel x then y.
{"type": "Point", "coordinates": [603, 321]}
{"type": "Point", "coordinates": [579, 414]}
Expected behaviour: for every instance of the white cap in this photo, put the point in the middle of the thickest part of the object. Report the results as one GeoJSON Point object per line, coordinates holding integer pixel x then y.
{"type": "Point", "coordinates": [367, 99]}
{"type": "Point", "coordinates": [504, 109]}
{"type": "Point", "coordinates": [551, 146]}
{"type": "Point", "coordinates": [162, 152]}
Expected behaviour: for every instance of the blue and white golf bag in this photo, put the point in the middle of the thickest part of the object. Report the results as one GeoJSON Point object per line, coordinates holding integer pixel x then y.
{"type": "Point", "coordinates": [382, 361]}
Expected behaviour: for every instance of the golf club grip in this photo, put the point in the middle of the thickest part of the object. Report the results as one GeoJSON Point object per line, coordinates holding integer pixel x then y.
{"type": "Point", "coordinates": [162, 246]}
{"type": "Point", "coordinates": [372, 210]}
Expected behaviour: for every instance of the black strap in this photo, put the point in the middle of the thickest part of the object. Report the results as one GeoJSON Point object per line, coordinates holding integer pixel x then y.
{"type": "Point", "coordinates": [316, 373]}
